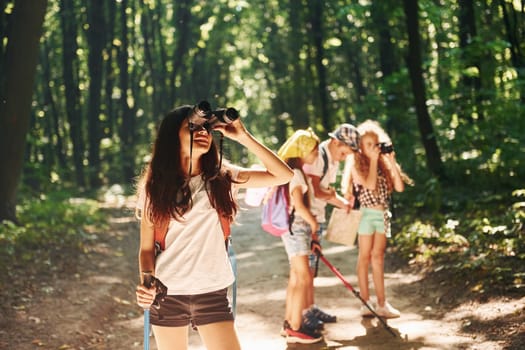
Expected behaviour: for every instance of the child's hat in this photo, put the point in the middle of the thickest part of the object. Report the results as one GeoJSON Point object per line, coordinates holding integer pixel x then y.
{"type": "Point", "coordinates": [348, 134]}
{"type": "Point", "coordinates": [299, 145]}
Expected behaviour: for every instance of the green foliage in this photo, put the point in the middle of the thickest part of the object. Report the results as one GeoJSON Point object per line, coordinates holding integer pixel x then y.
{"type": "Point", "coordinates": [48, 225]}
{"type": "Point", "coordinates": [480, 237]}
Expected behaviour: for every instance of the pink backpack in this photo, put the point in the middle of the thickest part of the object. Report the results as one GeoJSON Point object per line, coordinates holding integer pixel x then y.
{"type": "Point", "coordinates": [275, 217]}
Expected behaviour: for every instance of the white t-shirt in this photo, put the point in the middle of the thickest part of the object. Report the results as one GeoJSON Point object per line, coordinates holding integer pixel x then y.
{"type": "Point", "coordinates": [318, 206]}
{"type": "Point", "coordinates": [298, 180]}
{"type": "Point", "coordinates": [195, 260]}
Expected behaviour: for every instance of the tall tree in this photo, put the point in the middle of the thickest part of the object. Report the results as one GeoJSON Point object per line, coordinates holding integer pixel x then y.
{"type": "Point", "coordinates": [72, 91]}
{"type": "Point", "coordinates": [96, 41]}
{"type": "Point", "coordinates": [515, 31]}
{"type": "Point", "coordinates": [127, 128]}
{"type": "Point", "coordinates": [50, 105]}
{"type": "Point", "coordinates": [181, 21]}
{"type": "Point", "coordinates": [15, 97]}
{"type": "Point", "coordinates": [414, 61]}
{"type": "Point", "coordinates": [317, 31]}
{"type": "Point", "coordinates": [381, 12]}
{"type": "Point", "coordinates": [470, 57]}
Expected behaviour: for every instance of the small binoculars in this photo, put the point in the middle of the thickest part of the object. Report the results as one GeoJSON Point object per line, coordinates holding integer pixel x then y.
{"type": "Point", "coordinates": [203, 117]}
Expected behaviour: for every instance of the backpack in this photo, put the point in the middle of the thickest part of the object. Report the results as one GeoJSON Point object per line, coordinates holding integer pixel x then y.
{"type": "Point", "coordinates": [275, 217]}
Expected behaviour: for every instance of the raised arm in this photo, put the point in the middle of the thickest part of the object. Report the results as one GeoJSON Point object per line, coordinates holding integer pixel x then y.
{"type": "Point", "coordinates": [399, 185]}
{"type": "Point", "coordinates": [276, 171]}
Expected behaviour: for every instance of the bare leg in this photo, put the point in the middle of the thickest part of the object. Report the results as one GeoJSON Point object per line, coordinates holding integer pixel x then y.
{"type": "Point", "coordinates": [378, 266]}
{"type": "Point", "coordinates": [219, 336]}
{"type": "Point", "coordinates": [299, 301]}
{"type": "Point", "coordinates": [292, 282]}
{"type": "Point", "coordinates": [171, 338]}
{"type": "Point", "coordinates": [363, 261]}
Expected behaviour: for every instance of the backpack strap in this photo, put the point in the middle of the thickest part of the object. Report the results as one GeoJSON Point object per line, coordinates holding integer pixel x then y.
{"type": "Point", "coordinates": [325, 162]}
{"type": "Point", "coordinates": [291, 217]}
{"type": "Point", "coordinates": [160, 229]}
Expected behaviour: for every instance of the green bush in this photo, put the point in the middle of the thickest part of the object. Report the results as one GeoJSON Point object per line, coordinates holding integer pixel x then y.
{"type": "Point", "coordinates": [48, 224]}
{"type": "Point", "coordinates": [479, 236]}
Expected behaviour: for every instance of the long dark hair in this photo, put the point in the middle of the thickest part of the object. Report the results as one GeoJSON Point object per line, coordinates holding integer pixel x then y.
{"type": "Point", "coordinates": [167, 184]}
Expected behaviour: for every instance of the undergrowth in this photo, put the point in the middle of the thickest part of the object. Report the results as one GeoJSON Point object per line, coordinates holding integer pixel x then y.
{"type": "Point", "coordinates": [477, 237]}
{"type": "Point", "coordinates": [51, 226]}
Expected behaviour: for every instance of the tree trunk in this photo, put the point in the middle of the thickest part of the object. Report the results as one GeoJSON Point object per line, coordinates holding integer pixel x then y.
{"type": "Point", "coordinates": [126, 128]}
{"type": "Point", "coordinates": [96, 41]}
{"type": "Point", "coordinates": [182, 27]}
{"type": "Point", "coordinates": [111, 123]}
{"type": "Point", "coordinates": [433, 156]}
{"type": "Point", "coordinates": [16, 95]}
{"type": "Point", "coordinates": [72, 92]}
{"type": "Point", "coordinates": [299, 101]}
{"type": "Point", "coordinates": [472, 84]}
{"type": "Point", "coordinates": [316, 20]}
{"type": "Point", "coordinates": [52, 110]}
{"type": "Point", "coordinates": [160, 49]}
{"type": "Point", "coordinates": [387, 60]}
{"type": "Point", "coordinates": [353, 56]}
{"type": "Point", "coordinates": [515, 38]}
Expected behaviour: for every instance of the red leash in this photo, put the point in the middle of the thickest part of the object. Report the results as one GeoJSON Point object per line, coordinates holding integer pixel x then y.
{"type": "Point", "coordinates": [356, 293]}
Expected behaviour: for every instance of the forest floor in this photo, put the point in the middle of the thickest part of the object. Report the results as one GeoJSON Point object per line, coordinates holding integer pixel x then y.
{"type": "Point", "coordinates": [87, 301]}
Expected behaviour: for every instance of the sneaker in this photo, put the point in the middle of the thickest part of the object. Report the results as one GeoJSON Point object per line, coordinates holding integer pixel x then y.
{"type": "Point", "coordinates": [312, 322]}
{"type": "Point", "coordinates": [387, 311]}
{"type": "Point", "coordinates": [321, 315]}
{"type": "Point", "coordinates": [286, 326]}
{"type": "Point", "coordinates": [303, 335]}
{"type": "Point", "coordinates": [364, 311]}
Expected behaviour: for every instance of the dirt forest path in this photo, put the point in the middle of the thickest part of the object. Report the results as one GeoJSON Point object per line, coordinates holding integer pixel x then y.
{"type": "Point", "coordinates": [91, 305]}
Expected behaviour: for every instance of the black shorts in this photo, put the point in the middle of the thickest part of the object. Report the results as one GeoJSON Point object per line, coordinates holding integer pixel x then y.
{"type": "Point", "coordinates": [197, 310]}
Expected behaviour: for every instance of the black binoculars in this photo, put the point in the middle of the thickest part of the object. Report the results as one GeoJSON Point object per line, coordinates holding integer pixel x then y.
{"type": "Point", "coordinates": [385, 147]}
{"type": "Point", "coordinates": [203, 116]}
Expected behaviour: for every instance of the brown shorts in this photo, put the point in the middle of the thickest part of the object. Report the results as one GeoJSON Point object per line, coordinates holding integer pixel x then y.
{"type": "Point", "coordinates": [197, 310]}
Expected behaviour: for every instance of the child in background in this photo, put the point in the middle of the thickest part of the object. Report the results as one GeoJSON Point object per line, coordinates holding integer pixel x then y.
{"type": "Point", "coordinates": [299, 149]}
{"type": "Point", "coordinates": [374, 173]}
{"type": "Point", "coordinates": [322, 173]}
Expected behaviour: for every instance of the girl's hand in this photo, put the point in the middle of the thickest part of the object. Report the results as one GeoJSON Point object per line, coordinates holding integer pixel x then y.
{"type": "Point", "coordinates": [145, 296]}
{"type": "Point", "coordinates": [315, 246]}
{"type": "Point", "coordinates": [390, 158]}
{"type": "Point", "coordinates": [351, 202]}
{"type": "Point", "coordinates": [234, 130]}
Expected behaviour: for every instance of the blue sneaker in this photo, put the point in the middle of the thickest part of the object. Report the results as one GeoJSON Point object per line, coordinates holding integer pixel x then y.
{"type": "Point", "coordinates": [312, 322]}
{"type": "Point", "coordinates": [321, 315]}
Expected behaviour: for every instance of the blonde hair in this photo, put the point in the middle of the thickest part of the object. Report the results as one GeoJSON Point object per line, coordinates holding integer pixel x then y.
{"type": "Point", "coordinates": [362, 163]}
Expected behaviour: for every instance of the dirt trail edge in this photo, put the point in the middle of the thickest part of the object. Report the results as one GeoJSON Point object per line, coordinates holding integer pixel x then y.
{"type": "Point", "coordinates": [90, 305]}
